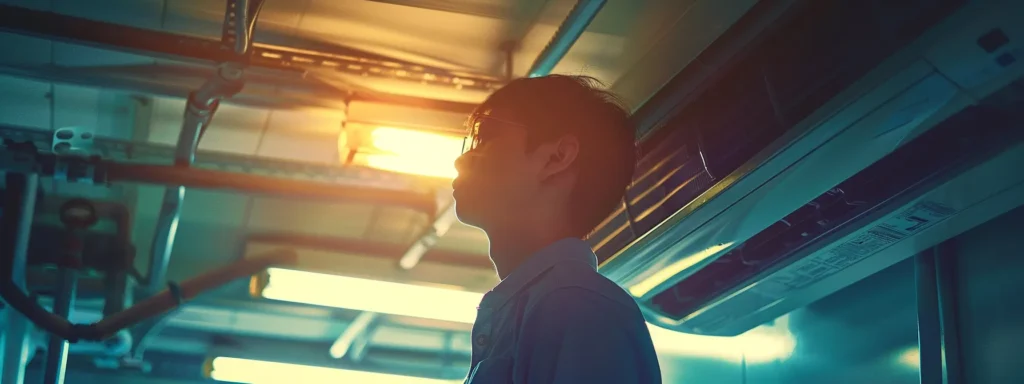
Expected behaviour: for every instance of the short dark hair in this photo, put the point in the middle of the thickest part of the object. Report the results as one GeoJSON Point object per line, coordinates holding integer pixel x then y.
{"type": "Point", "coordinates": [554, 105]}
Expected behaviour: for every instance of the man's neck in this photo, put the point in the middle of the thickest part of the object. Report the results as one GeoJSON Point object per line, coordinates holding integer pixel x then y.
{"type": "Point", "coordinates": [509, 251]}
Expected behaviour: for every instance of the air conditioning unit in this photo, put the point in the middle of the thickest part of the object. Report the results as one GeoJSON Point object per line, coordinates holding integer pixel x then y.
{"type": "Point", "coordinates": [896, 162]}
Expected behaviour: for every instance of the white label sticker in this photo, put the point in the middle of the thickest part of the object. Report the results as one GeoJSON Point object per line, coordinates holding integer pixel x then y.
{"type": "Point", "coordinates": [908, 222]}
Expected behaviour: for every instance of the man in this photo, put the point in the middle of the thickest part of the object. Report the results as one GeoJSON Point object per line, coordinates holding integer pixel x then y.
{"type": "Point", "coordinates": [548, 159]}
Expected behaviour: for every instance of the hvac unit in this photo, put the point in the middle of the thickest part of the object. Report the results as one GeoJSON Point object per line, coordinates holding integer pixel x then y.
{"type": "Point", "coordinates": [855, 151]}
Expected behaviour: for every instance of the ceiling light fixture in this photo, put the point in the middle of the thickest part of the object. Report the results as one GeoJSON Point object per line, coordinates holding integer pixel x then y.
{"type": "Point", "coordinates": [407, 151]}
{"type": "Point", "coordinates": [267, 372]}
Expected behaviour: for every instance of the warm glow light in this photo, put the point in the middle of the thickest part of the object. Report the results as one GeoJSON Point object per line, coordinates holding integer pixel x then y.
{"type": "Point", "coordinates": [371, 295]}
{"type": "Point", "coordinates": [911, 357]}
{"type": "Point", "coordinates": [762, 344]}
{"type": "Point", "coordinates": [666, 273]}
{"type": "Point", "coordinates": [765, 343]}
{"type": "Point", "coordinates": [415, 152]}
{"type": "Point", "coordinates": [267, 372]}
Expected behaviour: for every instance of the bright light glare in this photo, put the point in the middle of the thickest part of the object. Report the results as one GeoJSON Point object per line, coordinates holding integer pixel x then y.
{"type": "Point", "coordinates": [761, 344]}
{"type": "Point", "coordinates": [267, 372]}
{"type": "Point", "coordinates": [673, 269]}
{"type": "Point", "coordinates": [372, 295]}
{"type": "Point", "coordinates": [911, 357]}
{"type": "Point", "coordinates": [415, 152]}
{"type": "Point", "coordinates": [765, 343]}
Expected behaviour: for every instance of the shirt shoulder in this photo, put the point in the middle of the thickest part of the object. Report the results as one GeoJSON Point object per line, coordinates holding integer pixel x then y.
{"type": "Point", "coordinates": [568, 279]}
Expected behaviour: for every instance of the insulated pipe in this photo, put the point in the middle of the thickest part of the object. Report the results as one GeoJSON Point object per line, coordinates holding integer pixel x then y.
{"type": "Point", "coordinates": [19, 206]}
{"type": "Point", "coordinates": [199, 110]}
{"type": "Point", "coordinates": [155, 305]}
{"type": "Point", "coordinates": [241, 26]}
{"type": "Point", "coordinates": [571, 29]}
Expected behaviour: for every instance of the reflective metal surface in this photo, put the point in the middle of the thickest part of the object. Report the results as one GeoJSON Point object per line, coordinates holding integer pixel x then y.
{"type": "Point", "coordinates": [988, 288]}
{"type": "Point", "coordinates": [866, 333]}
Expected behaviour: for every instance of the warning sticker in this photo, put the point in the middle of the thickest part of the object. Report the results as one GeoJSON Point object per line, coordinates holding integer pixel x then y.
{"type": "Point", "coordinates": [893, 229]}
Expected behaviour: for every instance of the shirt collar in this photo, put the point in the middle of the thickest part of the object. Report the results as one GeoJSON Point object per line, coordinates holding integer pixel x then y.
{"type": "Point", "coordinates": [568, 249]}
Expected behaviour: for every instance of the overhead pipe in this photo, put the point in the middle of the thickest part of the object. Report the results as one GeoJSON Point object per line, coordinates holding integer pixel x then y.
{"type": "Point", "coordinates": [240, 182]}
{"type": "Point", "coordinates": [567, 34]}
{"type": "Point", "coordinates": [199, 110]}
{"type": "Point", "coordinates": [159, 304]}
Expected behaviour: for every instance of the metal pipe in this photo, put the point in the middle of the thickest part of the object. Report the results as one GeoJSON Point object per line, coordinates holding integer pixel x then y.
{"type": "Point", "coordinates": [57, 348]}
{"type": "Point", "coordinates": [163, 239]}
{"type": "Point", "coordinates": [200, 108]}
{"type": "Point", "coordinates": [210, 179]}
{"type": "Point", "coordinates": [567, 34]}
{"type": "Point", "coordinates": [430, 235]}
{"type": "Point", "coordinates": [355, 330]}
{"type": "Point", "coordinates": [241, 26]}
{"type": "Point", "coordinates": [929, 329]}
{"type": "Point", "coordinates": [19, 206]}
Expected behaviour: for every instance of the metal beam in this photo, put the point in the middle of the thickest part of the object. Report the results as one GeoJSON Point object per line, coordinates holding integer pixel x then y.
{"type": "Point", "coordinates": [75, 30]}
{"type": "Point", "coordinates": [567, 34]}
{"type": "Point", "coordinates": [263, 90]}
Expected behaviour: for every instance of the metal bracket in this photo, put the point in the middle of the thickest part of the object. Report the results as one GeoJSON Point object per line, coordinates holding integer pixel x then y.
{"type": "Point", "coordinates": [73, 141]}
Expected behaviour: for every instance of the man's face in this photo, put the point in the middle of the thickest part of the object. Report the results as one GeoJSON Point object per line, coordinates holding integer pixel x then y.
{"type": "Point", "coordinates": [498, 178]}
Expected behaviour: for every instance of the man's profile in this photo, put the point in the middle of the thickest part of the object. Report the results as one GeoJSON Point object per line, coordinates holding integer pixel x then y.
{"type": "Point", "coordinates": [547, 160]}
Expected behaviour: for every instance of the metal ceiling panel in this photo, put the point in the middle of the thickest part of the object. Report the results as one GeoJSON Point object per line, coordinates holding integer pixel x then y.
{"type": "Point", "coordinates": [30, 50]}
{"type": "Point", "coordinates": [76, 107]}
{"type": "Point", "coordinates": [430, 35]}
{"type": "Point", "coordinates": [395, 225]}
{"type": "Point", "coordinates": [324, 122]}
{"type": "Point", "coordinates": [335, 220]}
{"type": "Point", "coordinates": [205, 18]}
{"type": "Point", "coordinates": [136, 13]}
{"type": "Point", "coordinates": [370, 113]}
{"type": "Point", "coordinates": [463, 238]}
{"type": "Point", "coordinates": [194, 17]}
{"type": "Point", "coordinates": [494, 9]}
{"type": "Point", "coordinates": [73, 55]}
{"type": "Point", "coordinates": [695, 30]}
{"type": "Point", "coordinates": [233, 129]}
{"type": "Point", "coordinates": [24, 102]}
{"type": "Point", "coordinates": [312, 148]}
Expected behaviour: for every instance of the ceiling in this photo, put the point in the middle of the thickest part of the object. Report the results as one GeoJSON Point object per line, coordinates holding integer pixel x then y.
{"type": "Point", "coordinates": [293, 120]}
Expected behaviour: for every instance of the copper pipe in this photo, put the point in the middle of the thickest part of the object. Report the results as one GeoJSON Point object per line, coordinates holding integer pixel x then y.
{"type": "Point", "coordinates": [211, 179]}
{"type": "Point", "coordinates": [167, 300]}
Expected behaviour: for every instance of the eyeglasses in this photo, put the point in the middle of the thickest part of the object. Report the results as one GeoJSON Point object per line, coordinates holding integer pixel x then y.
{"type": "Point", "coordinates": [483, 128]}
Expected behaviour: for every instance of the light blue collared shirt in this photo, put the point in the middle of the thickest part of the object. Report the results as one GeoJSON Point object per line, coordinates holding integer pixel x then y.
{"type": "Point", "coordinates": [555, 320]}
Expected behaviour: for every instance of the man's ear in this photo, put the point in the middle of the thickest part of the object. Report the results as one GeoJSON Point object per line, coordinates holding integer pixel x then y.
{"type": "Point", "coordinates": [559, 155]}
